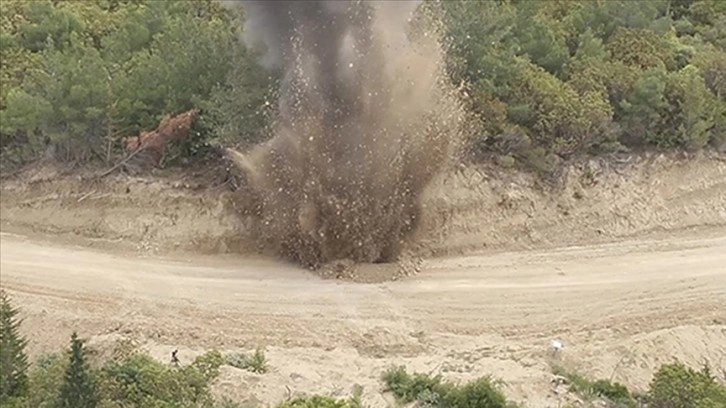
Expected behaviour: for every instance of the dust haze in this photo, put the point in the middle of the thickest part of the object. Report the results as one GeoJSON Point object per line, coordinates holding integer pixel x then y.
{"type": "Point", "coordinates": [366, 120]}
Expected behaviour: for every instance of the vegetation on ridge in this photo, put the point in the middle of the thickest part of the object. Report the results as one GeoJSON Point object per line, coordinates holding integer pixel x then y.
{"type": "Point", "coordinates": [544, 80]}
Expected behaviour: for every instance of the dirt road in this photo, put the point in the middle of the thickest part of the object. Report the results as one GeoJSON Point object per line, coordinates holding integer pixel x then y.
{"type": "Point", "coordinates": [620, 309]}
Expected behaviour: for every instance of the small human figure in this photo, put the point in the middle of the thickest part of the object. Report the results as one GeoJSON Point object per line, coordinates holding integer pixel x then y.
{"type": "Point", "coordinates": [174, 358]}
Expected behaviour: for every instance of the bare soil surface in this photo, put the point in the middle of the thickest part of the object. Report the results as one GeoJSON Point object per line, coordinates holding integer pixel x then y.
{"type": "Point", "coordinates": [620, 310]}
{"type": "Point", "coordinates": [648, 288]}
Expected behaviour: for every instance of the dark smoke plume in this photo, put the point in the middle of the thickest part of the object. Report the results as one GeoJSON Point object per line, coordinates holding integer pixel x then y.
{"type": "Point", "coordinates": [366, 120]}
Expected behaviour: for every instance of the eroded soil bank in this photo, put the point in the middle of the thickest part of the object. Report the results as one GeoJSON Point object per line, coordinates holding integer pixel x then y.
{"type": "Point", "coordinates": [464, 211]}
{"type": "Point", "coordinates": [623, 264]}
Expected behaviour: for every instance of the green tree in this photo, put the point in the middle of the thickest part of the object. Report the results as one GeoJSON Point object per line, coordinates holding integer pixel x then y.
{"type": "Point", "coordinates": [692, 109]}
{"type": "Point", "coordinates": [560, 119]}
{"type": "Point", "coordinates": [541, 37]}
{"type": "Point", "coordinates": [541, 79]}
{"type": "Point", "coordinates": [709, 19]}
{"type": "Point", "coordinates": [13, 360]}
{"type": "Point", "coordinates": [84, 74]}
{"type": "Point", "coordinates": [78, 389]}
{"type": "Point", "coordinates": [604, 17]}
{"type": "Point", "coordinates": [643, 109]}
{"type": "Point", "coordinates": [641, 48]}
{"type": "Point", "coordinates": [675, 385]}
{"type": "Point", "coordinates": [241, 108]}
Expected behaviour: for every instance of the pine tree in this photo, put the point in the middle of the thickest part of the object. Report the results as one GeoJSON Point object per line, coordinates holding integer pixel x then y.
{"type": "Point", "coordinates": [78, 389]}
{"type": "Point", "coordinates": [13, 360]}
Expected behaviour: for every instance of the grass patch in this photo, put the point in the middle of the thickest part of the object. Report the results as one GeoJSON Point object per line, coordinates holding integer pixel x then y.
{"type": "Point", "coordinates": [318, 401]}
{"type": "Point", "coordinates": [432, 391]}
{"type": "Point", "coordinates": [255, 362]}
{"type": "Point", "coordinates": [615, 393]}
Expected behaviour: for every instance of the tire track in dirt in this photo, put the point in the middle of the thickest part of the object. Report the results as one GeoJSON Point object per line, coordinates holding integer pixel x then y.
{"type": "Point", "coordinates": [654, 283]}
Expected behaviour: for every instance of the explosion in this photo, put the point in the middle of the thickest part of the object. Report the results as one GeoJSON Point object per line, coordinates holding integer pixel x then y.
{"type": "Point", "coordinates": [366, 120]}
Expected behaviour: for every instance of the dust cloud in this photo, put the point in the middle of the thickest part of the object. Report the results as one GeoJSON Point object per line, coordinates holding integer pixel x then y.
{"type": "Point", "coordinates": [366, 120]}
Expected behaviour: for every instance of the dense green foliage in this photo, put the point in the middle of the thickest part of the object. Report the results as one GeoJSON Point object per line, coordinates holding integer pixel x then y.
{"type": "Point", "coordinates": [676, 385]}
{"type": "Point", "coordinates": [567, 77]}
{"type": "Point", "coordinates": [127, 380]}
{"type": "Point", "coordinates": [544, 79]}
{"type": "Point", "coordinates": [78, 76]}
{"type": "Point", "coordinates": [673, 386]}
{"type": "Point", "coordinates": [143, 382]}
{"type": "Point", "coordinates": [136, 380]}
{"type": "Point", "coordinates": [13, 360]}
{"type": "Point", "coordinates": [432, 391]}
{"type": "Point", "coordinates": [78, 389]}
{"type": "Point", "coordinates": [317, 401]}
{"type": "Point", "coordinates": [615, 393]}
{"type": "Point", "coordinates": [46, 379]}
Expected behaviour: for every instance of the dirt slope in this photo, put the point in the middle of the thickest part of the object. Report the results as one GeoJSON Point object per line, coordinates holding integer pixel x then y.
{"type": "Point", "coordinates": [619, 308]}
{"type": "Point", "coordinates": [596, 201]}
{"type": "Point", "coordinates": [466, 211]}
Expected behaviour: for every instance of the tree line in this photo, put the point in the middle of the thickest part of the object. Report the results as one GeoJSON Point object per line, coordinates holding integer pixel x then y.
{"type": "Point", "coordinates": [78, 76]}
{"type": "Point", "coordinates": [549, 79]}
{"type": "Point", "coordinates": [543, 80]}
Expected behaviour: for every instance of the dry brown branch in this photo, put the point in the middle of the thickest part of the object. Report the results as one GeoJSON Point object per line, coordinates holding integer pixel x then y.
{"type": "Point", "coordinates": [170, 129]}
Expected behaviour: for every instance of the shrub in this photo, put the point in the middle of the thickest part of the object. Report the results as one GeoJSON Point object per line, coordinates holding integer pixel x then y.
{"type": "Point", "coordinates": [563, 121]}
{"type": "Point", "coordinates": [613, 392]}
{"type": "Point", "coordinates": [143, 382]}
{"type": "Point", "coordinates": [408, 388]}
{"type": "Point", "coordinates": [256, 363]}
{"type": "Point", "coordinates": [480, 393]}
{"type": "Point", "coordinates": [642, 48]}
{"type": "Point", "coordinates": [208, 364]}
{"type": "Point", "coordinates": [675, 385]}
{"type": "Point", "coordinates": [432, 391]}
{"type": "Point", "coordinates": [318, 401]}
{"type": "Point", "coordinates": [644, 109]}
{"type": "Point", "coordinates": [46, 378]}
